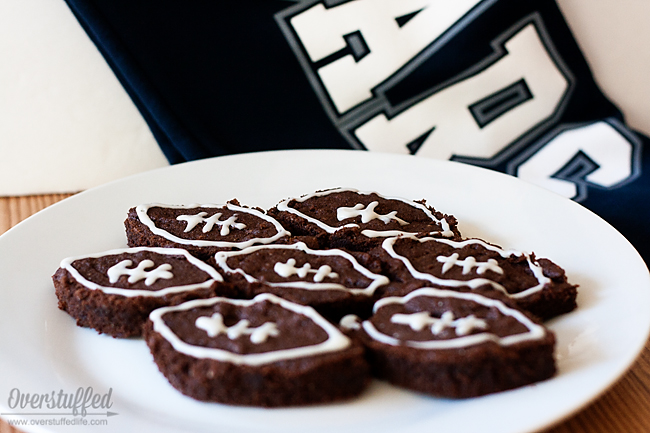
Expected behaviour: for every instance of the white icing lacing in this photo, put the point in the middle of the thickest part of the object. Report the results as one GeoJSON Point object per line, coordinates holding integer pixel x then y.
{"type": "Point", "coordinates": [221, 259]}
{"type": "Point", "coordinates": [210, 222]}
{"type": "Point", "coordinates": [209, 270]}
{"type": "Point", "coordinates": [214, 326]}
{"type": "Point", "coordinates": [534, 331]}
{"type": "Point", "coordinates": [335, 339]}
{"type": "Point", "coordinates": [142, 213]}
{"type": "Point", "coordinates": [468, 264]}
{"type": "Point", "coordinates": [418, 321]}
{"type": "Point", "coordinates": [535, 268]}
{"type": "Point", "coordinates": [368, 214]}
{"type": "Point", "coordinates": [139, 272]}
{"type": "Point", "coordinates": [288, 269]}
{"type": "Point", "coordinates": [284, 206]}
{"type": "Point", "coordinates": [350, 321]}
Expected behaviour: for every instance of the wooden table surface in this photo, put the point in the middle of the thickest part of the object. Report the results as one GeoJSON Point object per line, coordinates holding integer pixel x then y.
{"type": "Point", "coordinates": [625, 408]}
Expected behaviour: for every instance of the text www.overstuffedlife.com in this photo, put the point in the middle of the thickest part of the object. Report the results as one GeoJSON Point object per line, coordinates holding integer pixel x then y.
{"type": "Point", "coordinates": [54, 421]}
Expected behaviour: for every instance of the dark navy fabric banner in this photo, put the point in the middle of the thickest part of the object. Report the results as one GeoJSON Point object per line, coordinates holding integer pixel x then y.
{"type": "Point", "coordinates": [500, 84]}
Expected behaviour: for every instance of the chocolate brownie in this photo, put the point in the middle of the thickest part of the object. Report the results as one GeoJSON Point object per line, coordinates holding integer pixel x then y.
{"type": "Point", "coordinates": [237, 304]}
{"type": "Point", "coordinates": [261, 352]}
{"type": "Point", "coordinates": [347, 218]}
{"type": "Point", "coordinates": [201, 229]}
{"type": "Point", "coordinates": [114, 291]}
{"type": "Point", "coordinates": [536, 285]}
{"type": "Point", "coordinates": [331, 281]}
{"type": "Point", "coordinates": [454, 344]}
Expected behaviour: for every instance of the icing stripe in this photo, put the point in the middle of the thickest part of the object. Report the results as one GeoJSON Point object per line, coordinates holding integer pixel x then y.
{"type": "Point", "coordinates": [336, 340]}
{"type": "Point", "coordinates": [476, 282]}
{"type": "Point", "coordinates": [377, 280]}
{"type": "Point", "coordinates": [284, 206]}
{"type": "Point", "coordinates": [142, 212]}
{"type": "Point", "coordinates": [535, 331]}
{"type": "Point", "coordinates": [214, 275]}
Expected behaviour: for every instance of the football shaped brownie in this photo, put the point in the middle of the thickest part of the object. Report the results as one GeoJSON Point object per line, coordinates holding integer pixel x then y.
{"type": "Point", "coordinates": [454, 344]}
{"type": "Point", "coordinates": [347, 218]}
{"type": "Point", "coordinates": [331, 281]}
{"type": "Point", "coordinates": [261, 352]}
{"type": "Point", "coordinates": [536, 285]}
{"type": "Point", "coordinates": [114, 291]}
{"type": "Point", "coordinates": [201, 229]}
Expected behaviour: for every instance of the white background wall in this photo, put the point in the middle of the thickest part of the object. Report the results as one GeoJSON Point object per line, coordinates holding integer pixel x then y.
{"type": "Point", "coordinates": [614, 36]}
{"type": "Point", "coordinates": [66, 124]}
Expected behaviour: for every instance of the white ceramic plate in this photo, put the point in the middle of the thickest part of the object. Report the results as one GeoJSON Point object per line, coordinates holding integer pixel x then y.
{"type": "Point", "coordinates": [42, 351]}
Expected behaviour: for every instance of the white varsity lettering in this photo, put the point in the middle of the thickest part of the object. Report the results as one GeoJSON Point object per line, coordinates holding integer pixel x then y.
{"type": "Point", "coordinates": [349, 82]}
{"type": "Point", "coordinates": [456, 131]}
{"type": "Point", "coordinates": [492, 114]}
{"type": "Point", "coordinates": [600, 142]}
